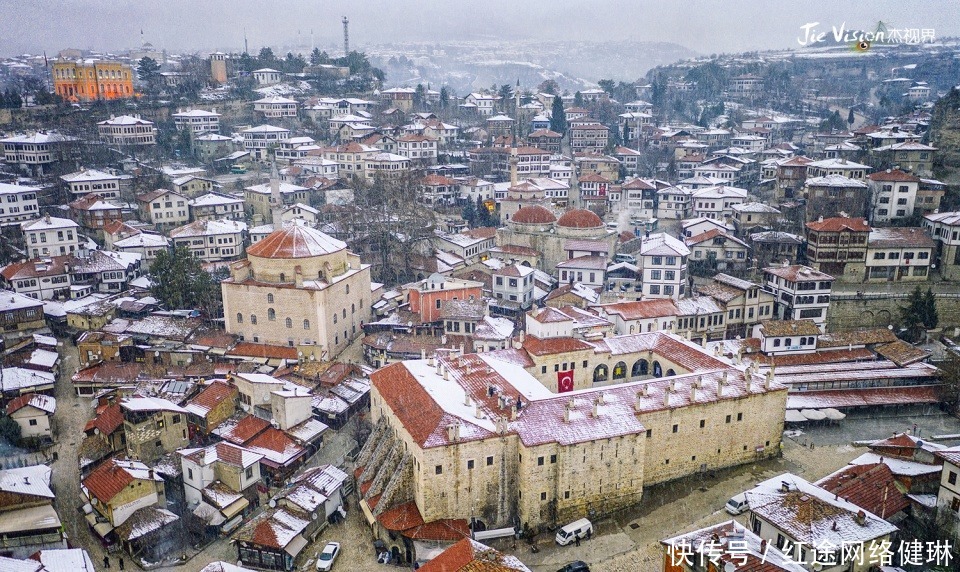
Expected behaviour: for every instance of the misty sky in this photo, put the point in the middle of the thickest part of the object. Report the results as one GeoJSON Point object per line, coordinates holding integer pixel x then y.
{"type": "Point", "coordinates": [203, 25]}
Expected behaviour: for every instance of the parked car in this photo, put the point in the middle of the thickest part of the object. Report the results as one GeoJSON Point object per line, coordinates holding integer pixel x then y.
{"type": "Point", "coordinates": [737, 504]}
{"type": "Point", "coordinates": [575, 566]}
{"type": "Point", "coordinates": [576, 529]}
{"type": "Point", "coordinates": [327, 556]}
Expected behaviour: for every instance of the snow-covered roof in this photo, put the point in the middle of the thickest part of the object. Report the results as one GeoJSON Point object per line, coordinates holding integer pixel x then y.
{"type": "Point", "coordinates": [48, 223]}
{"type": "Point", "coordinates": [150, 404]}
{"type": "Point", "coordinates": [17, 379]}
{"type": "Point", "coordinates": [10, 301]}
{"type": "Point", "coordinates": [33, 480]}
{"type": "Point", "coordinates": [812, 515]}
{"type": "Point", "coordinates": [662, 244]}
{"type": "Point", "coordinates": [208, 228]}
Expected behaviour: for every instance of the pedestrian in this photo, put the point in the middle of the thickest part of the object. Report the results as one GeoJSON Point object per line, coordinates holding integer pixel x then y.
{"type": "Point", "coordinates": [106, 561]}
{"type": "Point", "coordinates": [589, 533]}
{"type": "Point", "coordinates": [121, 563]}
{"type": "Point", "coordinates": [577, 540]}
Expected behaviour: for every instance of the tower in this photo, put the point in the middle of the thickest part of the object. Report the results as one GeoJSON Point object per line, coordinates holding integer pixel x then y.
{"type": "Point", "coordinates": [276, 200]}
{"type": "Point", "coordinates": [346, 36]}
{"type": "Point", "coordinates": [218, 67]}
{"type": "Point", "coordinates": [573, 200]}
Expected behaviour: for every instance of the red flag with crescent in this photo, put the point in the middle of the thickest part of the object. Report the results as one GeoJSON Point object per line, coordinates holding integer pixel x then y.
{"type": "Point", "coordinates": [565, 381]}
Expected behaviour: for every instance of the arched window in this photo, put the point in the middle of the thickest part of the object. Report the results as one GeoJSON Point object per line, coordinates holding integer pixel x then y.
{"type": "Point", "coordinates": [600, 373]}
{"type": "Point", "coordinates": [657, 369]}
{"type": "Point", "coordinates": [334, 318]}
{"type": "Point", "coordinates": [289, 323]}
{"type": "Point", "coordinates": [271, 314]}
{"type": "Point", "coordinates": [353, 308]}
{"type": "Point", "coordinates": [671, 373]}
{"type": "Point", "coordinates": [620, 371]}
{"type": "Point", "coordinates": [348, 288]}
{"type": "Point", "coordinates": [239, 318]}
{"type": "Point", "coordinates": [253, 319]}
{"type": "Point", "coordinates": [344, 313]}
{"type": "Point", "coordinates": [283, 277]}
{"type": "Point", "coordinates": [640, 367]}
{"type": "Point", "coordinates": [306, 324]}
{"type": "Point", "coordinates": [269, 298]}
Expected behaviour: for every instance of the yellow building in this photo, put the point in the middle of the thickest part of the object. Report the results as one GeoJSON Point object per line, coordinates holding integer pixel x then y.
{"type": "Point", "coordinates": [298, 287]}
{"type": "Point", "coordinates": [559, 428]}
{"type": "Point", "coordinates": [90, 80]}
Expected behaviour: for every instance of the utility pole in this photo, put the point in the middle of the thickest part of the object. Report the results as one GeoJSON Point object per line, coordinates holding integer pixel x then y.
{"type": "Point", "coordinates": [346, 37]}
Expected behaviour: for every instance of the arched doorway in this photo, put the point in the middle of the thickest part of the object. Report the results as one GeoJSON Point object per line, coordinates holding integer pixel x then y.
{"type": "Point", "coordinates": [640, 367]}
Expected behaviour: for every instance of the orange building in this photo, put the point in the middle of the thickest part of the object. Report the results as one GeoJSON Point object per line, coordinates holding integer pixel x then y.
{"type": "Point", "coordinates": [89, 80]}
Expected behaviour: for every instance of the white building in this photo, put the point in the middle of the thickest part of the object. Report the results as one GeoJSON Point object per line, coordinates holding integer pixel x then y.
{"type": "Point", "coordinates": [164, 208]}
{"type": "Point", "coordinates": [51, 236]}
{"type": "Point", "coordinates": [218, 463]}
{"type": "Point", "coordinates": [893, 194]}
{"type": "Point", "coordinates": [146, 244]}
{"type": "Point", "coordinates": [32, 412]}
{"type": "Point", "coordinates": [663, 263]}
{"type": "Point", "coordinates": [420, 148]}
{"type": "Point", "coordinates": [295, 148]}
{"type": "Point", "coordinates": [791, 513]}
{"type": "Point", "coordinates": [127, 130]}
{"type": "Point", "coordinates": [485, 104]}
{"type": "Point", "coordinates": [216, 206]}
{"type": "Point", "coordinates": [717, 202]}
{"type": "Point", "coordinates": [948, 496]}
{"type": "Point", "coordinates": [199, 121]}
{"type": "Point", "coordinates": [267, 76]}
{"type": "Point", "coordinates": [275, 106]}
{"type": "Point", "coordinates": [259, 140]}
{"type": "Point", "coordinates": [514, 282]}
{"type": "Point", "coordinates": [17, 203]}
{"type": "Point", "coordinates": [34, 152]}
{"type": "Point", "coordinates": [389, 165]}
{"type": "Point", "coordinates": [93, 181]}
{"type": "Point", "coordinates": [800, 293]}
{"type": "Point", "coordinates": [211, 240]}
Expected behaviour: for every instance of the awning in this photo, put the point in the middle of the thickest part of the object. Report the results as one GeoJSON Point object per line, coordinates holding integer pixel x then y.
{"type": "Point", "coordinates": [101, 528]}
{"type": "Point", "coordinates": [833, 414]}
{"type": "Point", "coordinates": [295, 545]}
{"type": "Point", "coordinates": [366, 512]}
{"type": "Point", "coordinates": [813, 414]}
{"type": "Point", "coordinates": [275, 362]}
{"type": "Point", "coordinates": [235, 508]}
{"type": "Point", "coordinates": [794, 416]}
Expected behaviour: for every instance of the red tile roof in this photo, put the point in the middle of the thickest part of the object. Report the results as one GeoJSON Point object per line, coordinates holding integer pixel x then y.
{"type": "Point", "coordinates": [895, 175]}
{"type": "Point", "coordinates": [401, 517]}
{"type": "Point", "coordinates": [213, 395]}
{"type": "Point", "coordinates": [296, 241]}
{"type": "Point", "coordinates": [840, 224]}
{"type": "Point", "coordinates": [245, 430]}
{"type": "Point", "coordinates": [107, 480]}
{"type": "Point", "coordinates": [871, 487]}
{"type": "Point", "coordinates": [643, 309]}
{"type": "Point", "coordinates": [108, 421]}
{"type": "Point", "coordinates": [534, 214]}
{"type": "Point", "coordinates": [548, 346]}
{"type": "Point", "coordinates": [248, 349]}
{"type": "Point", "coordinates": [580, 218]}
{"type": "Point", "coordinates": [443, 530]}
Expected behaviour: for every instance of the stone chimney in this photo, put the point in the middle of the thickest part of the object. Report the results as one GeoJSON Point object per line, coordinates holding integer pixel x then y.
{"type": "Point", "coordinates": [693, 392]}
{"type": "Point", "coordinates": [666, 397]}
{"type": "Point", "coordinates": [768, 380]}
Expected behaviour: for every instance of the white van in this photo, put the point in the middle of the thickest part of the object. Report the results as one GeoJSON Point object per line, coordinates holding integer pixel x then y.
{"type": "Point", "coordinates": [737, 504]}
{"type": "Point", "coordinates": [574, 530]}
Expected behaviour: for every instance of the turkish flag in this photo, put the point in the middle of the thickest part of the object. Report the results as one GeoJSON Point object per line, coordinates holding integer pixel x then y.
{"type": "Point", "coordinates": [564, 381]}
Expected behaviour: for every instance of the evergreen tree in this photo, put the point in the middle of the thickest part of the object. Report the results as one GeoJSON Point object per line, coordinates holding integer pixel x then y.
{"type": "Point", "coordinates": [148, 70]}
{"type": "Point", "coordinates": [469, 213]}
{"type": "Point", "coordinates": [481, 213]}
{"type": "Point", "coordinates": [315, 56]}
{"type": "Point", "coordinates": [181, 283]}
{"type": "Point", "coordinates": [850, 118]}
{"type": "Point", "coordinates": [578, 99]}
{"type": "Point", "coordinates": [607, 85]}
{"type": "Point", "coordinates": [558, 118]}
{"type": "Point", "coordinates": [915, 314]}
{"type": "Point", "coordinates": [930, 316]}
{"type": "Point", "coordinates": [419, 96]}
{"type": "Point", "coordinates": [444, 97]}
{"type": "Point", "coordinates": [266, 57]}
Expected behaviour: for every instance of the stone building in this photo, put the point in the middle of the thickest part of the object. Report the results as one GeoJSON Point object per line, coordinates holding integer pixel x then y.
{"type": "Point", "coordinates": [153, 427]}
{"type": "Point", "coordinates": [310, 292]}
{"type": "Point", "coordinates": [557, 239]}
{"type": "Point", "coordinates": [492, 436]}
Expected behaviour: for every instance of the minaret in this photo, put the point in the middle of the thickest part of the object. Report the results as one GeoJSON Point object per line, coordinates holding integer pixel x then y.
{"type": "Point", "coordinates": [276, 200]}
{"type": "Point", "coordinates": [514, 159]}
{"type": "Point", "coordinates": [573, 200]}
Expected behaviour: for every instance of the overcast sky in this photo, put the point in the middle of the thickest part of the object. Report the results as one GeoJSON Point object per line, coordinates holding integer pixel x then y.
{"type": "Point", "coordinates": [202, 25]}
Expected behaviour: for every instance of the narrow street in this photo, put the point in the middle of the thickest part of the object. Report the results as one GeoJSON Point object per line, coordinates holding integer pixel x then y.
{"type": "Point", "coordinates": [71, 416]}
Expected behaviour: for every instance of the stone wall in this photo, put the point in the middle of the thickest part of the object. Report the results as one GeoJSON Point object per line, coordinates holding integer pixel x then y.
{"type": "Point", "coordinates": [881, 310]}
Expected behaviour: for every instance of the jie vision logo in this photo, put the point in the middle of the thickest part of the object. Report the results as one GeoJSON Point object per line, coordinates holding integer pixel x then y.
{"type": "Point", "coordinates": [812, 34]}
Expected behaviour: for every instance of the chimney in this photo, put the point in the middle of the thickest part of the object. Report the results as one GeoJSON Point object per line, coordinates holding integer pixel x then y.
{"type": "Point", "coordinates": [666, 397]}
{"type": "Point", "coordinates": [768, 380]}
{"type": "Point", "coordinates": [423, 353]}
{"type": "Point", "coordinates": [861, 518]}
{"type": "Point", "coordinates": [784, 486]}
{"type": "Point", "coordinates": [478, 413]}
{"type": "Point", "coordinates": [747, 378]}
{"type": "Point", "coordinates": [600, 398]}
{"type": "Point", "coordinates": [453, 432]}
{"type": "Point", "coordinates": [596, 409]}
{"type": "Point", "coordinates": [466, 399]}
{"type": "Point", "coordinates": [446, 373]}
{"type": "Point", "coordinates": [693, 392]}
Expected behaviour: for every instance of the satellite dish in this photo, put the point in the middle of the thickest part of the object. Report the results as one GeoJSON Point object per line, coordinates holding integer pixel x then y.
{"type": "Point", "coordinates": [272, 503]}
{"type": "Point", "coordinates": [96, 430]}
{"type": "Point", "coordinates": [266, 398]}
{"type": "Point", "coordinates": [313, 516]}
{"type": "Point", "coordinates": [729, 567]}
{"type": "Point", "coordinates": [817, 566]}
